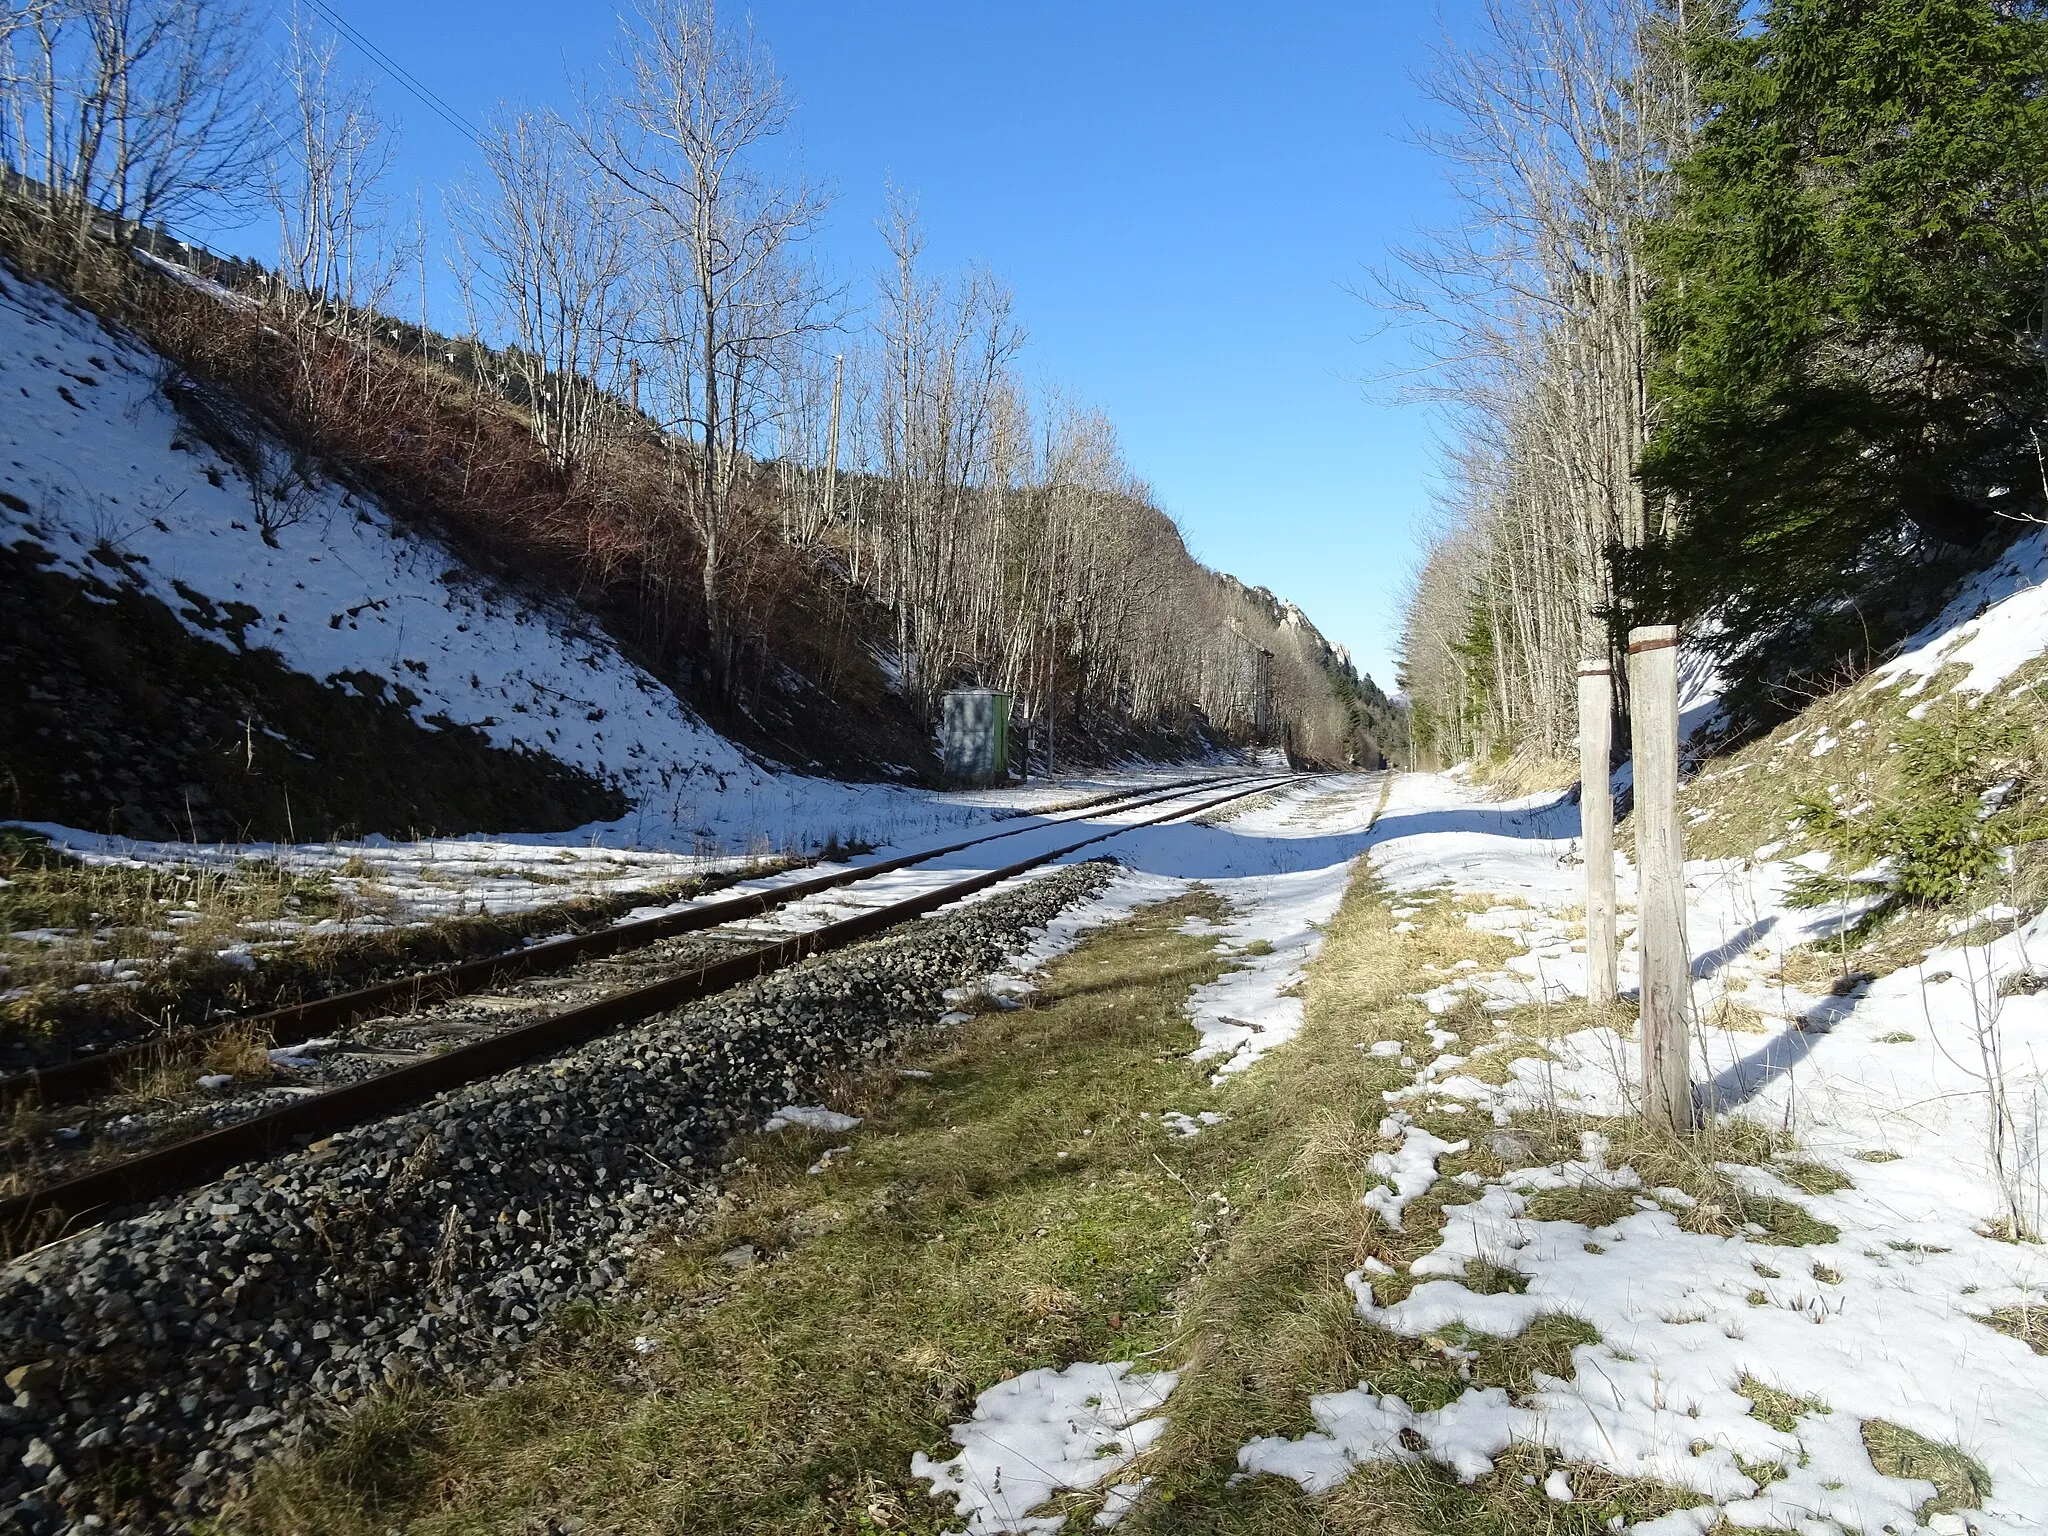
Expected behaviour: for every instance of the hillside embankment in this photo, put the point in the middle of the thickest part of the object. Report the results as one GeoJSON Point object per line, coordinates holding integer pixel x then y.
{"type": "Point", "coordinates": [406, 621]}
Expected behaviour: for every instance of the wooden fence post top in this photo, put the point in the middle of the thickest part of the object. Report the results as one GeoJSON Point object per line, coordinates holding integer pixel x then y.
{"type": "Point", "coordinates": [1595, 669]}
{"type": "Point", "coordinates": [1651, 637]}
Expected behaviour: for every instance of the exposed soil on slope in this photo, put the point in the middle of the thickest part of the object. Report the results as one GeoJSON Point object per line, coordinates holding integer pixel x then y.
{"type": "Point", "coordinates": [120, 720]}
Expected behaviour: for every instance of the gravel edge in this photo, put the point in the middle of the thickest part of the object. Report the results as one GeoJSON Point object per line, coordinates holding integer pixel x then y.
{"type": "Point", "coordinates": [170, 1352]}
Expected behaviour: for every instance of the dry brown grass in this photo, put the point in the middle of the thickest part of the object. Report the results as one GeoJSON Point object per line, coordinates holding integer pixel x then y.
{"type": "Point", "coordinates": [1746, 801]}
{"type": "Point", "coordinates": [1424, 1499]}
{"type": "Point", "coordinates": [1526, 771]}
{"type": "Point", "coordinates": [171, 1077]}
{"type": "Point", "coordinates": [120, 919]}
{"type": "Point", "coordinates": [2027, 1323]}
{"type": "Point", "coordinates": [242, 1052]}
{"type": "Point", "coordinates": [1732, 1014]}
{"type": "Point", "coordinates": [1960, 1481]}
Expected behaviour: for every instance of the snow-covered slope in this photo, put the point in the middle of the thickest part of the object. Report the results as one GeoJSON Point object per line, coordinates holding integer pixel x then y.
{"type": "Point", "coordinates": [98, 467]}
{"type": "Point", "coordinates": [105, 471]}
{"type": "Point", "coordinates": [1994, 626]}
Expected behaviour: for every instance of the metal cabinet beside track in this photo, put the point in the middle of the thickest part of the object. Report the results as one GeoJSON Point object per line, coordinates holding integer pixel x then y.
{"type": "Point", "coordinates": [974, 735]}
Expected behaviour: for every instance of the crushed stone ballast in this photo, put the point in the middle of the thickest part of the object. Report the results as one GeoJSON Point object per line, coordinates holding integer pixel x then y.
{"type": "Point", "coordinates": [188, 1163]}
{"type": "Point", "coordinates": [170, 1352]}
{"type": "Point", "coordinates": [88, 1076]}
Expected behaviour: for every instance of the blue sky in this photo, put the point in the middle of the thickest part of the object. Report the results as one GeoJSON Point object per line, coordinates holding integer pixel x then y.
{"type": "Point", "coordinates": [1178, 194]}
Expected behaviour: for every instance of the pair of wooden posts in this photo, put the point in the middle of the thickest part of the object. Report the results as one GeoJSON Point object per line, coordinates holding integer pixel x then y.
{"type": "Point", "coordinates": [1666, 996]}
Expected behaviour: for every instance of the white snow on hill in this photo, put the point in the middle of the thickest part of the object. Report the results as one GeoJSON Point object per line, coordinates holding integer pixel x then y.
{"type": "Point", "coordinates": [98, 467]}
{"type": "Point", "coordinates": [1994, 626]}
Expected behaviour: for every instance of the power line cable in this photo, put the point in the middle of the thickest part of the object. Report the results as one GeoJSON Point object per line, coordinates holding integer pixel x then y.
{"type": "Point", "coordinates": [398, 72]}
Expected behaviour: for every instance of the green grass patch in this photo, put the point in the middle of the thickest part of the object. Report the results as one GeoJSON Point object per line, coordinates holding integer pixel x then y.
{"type": "Point", "coordinates": [1418, 1498]}
{"type": "Point", "coordinates": [1786, 1224]}
{"type": "Point", "coordinates": [1814, 1178]}
{"type": "Point", "coordinates": [1431, 1372]}
{"type": "Point", "coordinates": [1778, 1409]}
{"type": "Point", "coordinates": [1483, 1277]}
{"type": "Point", "coordinates": [1016, 1209]}
{"type": "Point", "coordinates": [1496, 1068]}
{"type": "Point", "coordinates": [1590, 1205]}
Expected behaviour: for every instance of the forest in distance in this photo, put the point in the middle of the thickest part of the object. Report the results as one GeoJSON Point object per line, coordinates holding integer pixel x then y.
{"type": "Point", "coordinates": [776, 487]}
{"type": "Point", "coordinates": [1740, 325]}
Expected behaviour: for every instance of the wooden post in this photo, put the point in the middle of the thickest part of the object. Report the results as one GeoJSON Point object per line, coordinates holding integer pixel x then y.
{"type": "Point", "coordinates": [1660, 867]}
{"type": "Point", "coordinates": [1596, 820]}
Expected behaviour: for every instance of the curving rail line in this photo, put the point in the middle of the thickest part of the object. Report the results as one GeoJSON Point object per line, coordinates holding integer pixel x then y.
{"type": "Point", "coordinates": [75, 1081]}
{"type": "Point", "coordinates": [45, 1213]}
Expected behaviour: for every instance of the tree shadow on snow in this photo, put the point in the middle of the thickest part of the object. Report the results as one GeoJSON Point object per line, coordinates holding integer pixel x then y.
{"type": "Point", "coordinates": [1743, 1080]}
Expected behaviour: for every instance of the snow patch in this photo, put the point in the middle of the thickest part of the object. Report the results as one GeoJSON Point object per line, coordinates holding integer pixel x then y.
{"type": "Point", "coordinates": [811, 1117]}
{"type": "Point", "coordinates": [1886, 1321]}
{"type": "Point", "coordinates": [1045, 1431]}
{"type": "Point", "coordinates": [1994, 626]}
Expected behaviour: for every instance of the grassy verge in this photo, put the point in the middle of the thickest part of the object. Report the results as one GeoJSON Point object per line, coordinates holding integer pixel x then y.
{"type": "Point", "coordinates": [1947, 793]}
{"type": "Point", "coordinates": [1022, 1207]}
{"type": "Point", "coordinates": [1270, 1319]}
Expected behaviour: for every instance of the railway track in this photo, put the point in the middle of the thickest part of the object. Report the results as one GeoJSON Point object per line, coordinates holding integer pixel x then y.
{"type": "Point", "coordinates": [87, 1077]}
{"type": "Point", "coordinates": [688, 957]}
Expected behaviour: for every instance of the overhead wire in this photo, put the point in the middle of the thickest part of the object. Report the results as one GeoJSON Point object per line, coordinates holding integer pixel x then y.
{"type": "Point", "coordinates": [399, 73]}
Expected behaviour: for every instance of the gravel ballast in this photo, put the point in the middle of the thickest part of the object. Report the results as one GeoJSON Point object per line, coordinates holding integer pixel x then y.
{"type": "Point", "coordinates": [168, 1353]}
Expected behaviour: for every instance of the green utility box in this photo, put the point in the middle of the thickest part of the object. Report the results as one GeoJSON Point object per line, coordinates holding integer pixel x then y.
{"type": "Point", "coordinates": [974, 736]}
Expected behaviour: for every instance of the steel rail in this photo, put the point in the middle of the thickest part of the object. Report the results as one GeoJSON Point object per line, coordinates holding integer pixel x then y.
{"type": "Point", "coordinates": [192, 1162]}
{"type": "Point", "coordinates": [85, 1077]}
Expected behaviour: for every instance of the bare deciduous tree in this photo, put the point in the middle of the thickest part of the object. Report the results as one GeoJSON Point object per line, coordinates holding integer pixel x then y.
{"type": "Point", "coordinates": [641, 276]}
{"type": "Point", "coordinates": [684, 143]}
{"type": "Point", "coordinates": [131, 112]}
{"type": "Point", "coordinates": [553, 250]}
{"type": "Point", "coordinates": [1559, 120]}
{"type": "Point", "coordinates": [333, 152]}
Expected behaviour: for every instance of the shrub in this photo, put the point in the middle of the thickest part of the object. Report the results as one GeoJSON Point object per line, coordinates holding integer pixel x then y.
{"type": "Point", "coordinates": [1955, 803]}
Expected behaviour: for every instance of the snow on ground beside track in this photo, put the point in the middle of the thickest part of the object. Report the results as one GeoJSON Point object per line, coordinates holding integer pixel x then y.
{"type": "Point", "coordinates": [387, 885]}
{"type": "Point", "coordinates": [1282, 869]}
{"type": "Point", "coordinates": [1043, 1432]}
{"type": "Point", "coordinates": [340, 592]}
{"type": "Point", "coordinates": [1281, 866]}
{"type": "Point", "coordinates": [420, 881]}
{"type": "Point", "coordinates": [1887, 1322]}
{"type": "Point", "coordinates": [393, 884]}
